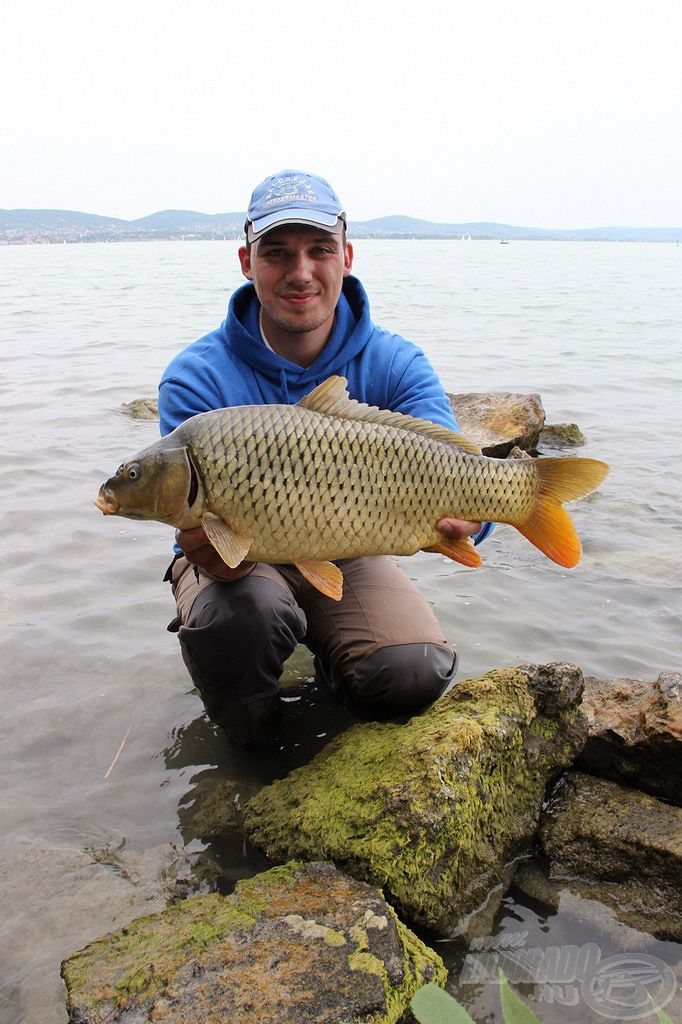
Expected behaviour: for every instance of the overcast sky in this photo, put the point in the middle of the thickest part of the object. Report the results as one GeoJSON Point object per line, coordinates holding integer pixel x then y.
{"type": "Point", "coordinates": [548, 113]}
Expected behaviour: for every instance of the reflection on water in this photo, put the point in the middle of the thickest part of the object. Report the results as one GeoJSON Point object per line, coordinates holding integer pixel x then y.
{"type": "Point", "coordinates": [595, 329]}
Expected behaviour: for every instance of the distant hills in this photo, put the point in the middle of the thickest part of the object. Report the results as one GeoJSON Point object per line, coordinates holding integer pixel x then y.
{"type": "Point", "coordinates": [35, 226]}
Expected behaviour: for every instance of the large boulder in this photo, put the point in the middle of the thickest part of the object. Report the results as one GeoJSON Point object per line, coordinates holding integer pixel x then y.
{"type": "Point", "coordinates": [499, 421]}
{"type": "Point", "coordinates": [434, 810]}
{"type": "Point", "coordinates": [635, 732]}
{"type": "Point", "coordinates": [296, 944]}
{"type": "Point", "coordinates": [625, 845]}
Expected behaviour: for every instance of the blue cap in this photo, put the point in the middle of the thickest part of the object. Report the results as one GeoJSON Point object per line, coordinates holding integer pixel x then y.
{"type": "Point", "coordinates": [293, 197]}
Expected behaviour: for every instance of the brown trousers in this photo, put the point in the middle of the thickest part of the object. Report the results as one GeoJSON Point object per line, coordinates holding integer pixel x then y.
{"type": "Point", "coordinates": [380, 648]}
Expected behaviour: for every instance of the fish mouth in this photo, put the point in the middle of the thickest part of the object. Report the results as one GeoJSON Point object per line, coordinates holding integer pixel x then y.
{"type": "Point", "coordinates": [106, 502]}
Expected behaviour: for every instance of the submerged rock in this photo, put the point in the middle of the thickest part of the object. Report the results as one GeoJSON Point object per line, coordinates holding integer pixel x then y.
{"type": "Point", "coordinates": [435, 810]}
{"type": "Point", "coordinates": [622, 845]}
{"type": "Point", "coordinates": [296, 944]}
{"type": "Point", "coordinates": [142, 409]}
{"type": "Point", "coordinates": [562, 435]}
{"type": "Point", "coordinates": [499, 421]}
{"type": "Point", "coordinates": [635, 732]}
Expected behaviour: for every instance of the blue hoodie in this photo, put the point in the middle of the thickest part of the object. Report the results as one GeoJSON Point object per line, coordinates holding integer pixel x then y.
{"type": "Point", "coordinates": [233, 366]}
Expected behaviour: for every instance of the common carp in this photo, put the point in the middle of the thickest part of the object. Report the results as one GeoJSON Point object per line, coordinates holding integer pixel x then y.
{"type": "Point", "coordinates": [332, 478]}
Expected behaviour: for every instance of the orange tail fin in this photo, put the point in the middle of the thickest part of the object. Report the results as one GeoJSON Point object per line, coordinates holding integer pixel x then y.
{"type": "Point", "coordinates": [549, 526]}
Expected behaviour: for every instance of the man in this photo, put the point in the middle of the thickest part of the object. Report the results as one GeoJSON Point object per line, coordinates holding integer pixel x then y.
{"type": "Point", "coordinates": [301, 319]}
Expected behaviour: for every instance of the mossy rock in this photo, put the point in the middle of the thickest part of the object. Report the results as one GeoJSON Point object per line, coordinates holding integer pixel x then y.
{"type": "Point", "coordinates": [296, 944]}
{"type": "Point", "coordinates": [562, 435]}
{"type": "Point", "coordinates": [432, 811]}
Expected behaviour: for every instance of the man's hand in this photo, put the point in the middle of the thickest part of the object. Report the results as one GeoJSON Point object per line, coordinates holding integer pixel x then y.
{"type": "Point", "coordinates": [458, 528]}
{"type": "Point", "coordinates": [198, 550]}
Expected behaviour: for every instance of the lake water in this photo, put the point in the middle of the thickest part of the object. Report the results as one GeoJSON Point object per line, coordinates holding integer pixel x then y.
{"type": "Point", "coordinates": [595, 328]}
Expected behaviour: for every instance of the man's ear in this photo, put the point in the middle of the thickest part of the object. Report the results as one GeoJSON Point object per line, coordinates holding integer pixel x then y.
{"type": "Point", "coordinates": [347, 259]}
{"type": "Point", "coordinates": [245, 261]}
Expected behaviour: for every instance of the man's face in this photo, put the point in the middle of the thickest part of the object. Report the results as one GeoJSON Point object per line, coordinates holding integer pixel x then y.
{"type": "Point", "coordinates": [298, 272]}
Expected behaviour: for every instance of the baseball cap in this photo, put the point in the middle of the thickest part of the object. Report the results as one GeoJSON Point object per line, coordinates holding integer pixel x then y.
{"type": "Point", "coordinates": [293, 197]}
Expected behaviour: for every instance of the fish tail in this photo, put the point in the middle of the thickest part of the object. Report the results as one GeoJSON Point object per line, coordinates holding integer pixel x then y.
{"type": "Point", "coordinates": [549, 526]}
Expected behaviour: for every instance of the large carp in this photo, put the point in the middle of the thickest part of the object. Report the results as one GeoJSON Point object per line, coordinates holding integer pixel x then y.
{"type": "Point", "coordinates": [332, 478]}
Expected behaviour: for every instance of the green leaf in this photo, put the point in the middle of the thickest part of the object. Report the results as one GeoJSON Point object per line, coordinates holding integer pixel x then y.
{"type": "Point", "coordinates": [515, 1011]}
{"type": "Point", "coordinates": [431, 1005]}
{"type": "Point", "coordinates": [663, 1017]}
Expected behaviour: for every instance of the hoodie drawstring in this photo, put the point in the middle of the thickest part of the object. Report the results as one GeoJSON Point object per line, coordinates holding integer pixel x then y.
{"type": "Point", "coordinates": [283, 386]}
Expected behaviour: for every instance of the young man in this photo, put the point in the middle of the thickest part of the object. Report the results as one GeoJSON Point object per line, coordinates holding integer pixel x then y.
{"type": "Point", "coordinates": [301, 319]}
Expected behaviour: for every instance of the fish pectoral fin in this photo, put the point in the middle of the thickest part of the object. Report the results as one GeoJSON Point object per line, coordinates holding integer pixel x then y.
{"type": "Point", "coordinates": [324, 576]}
{"type": "Point", "coordinates": [459, 550]}
{"type": "Point", "coordinates": [230, 545]}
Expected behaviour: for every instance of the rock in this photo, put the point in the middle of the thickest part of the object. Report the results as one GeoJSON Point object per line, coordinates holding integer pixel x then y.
{"type": "Point", "coordinates": [142, 409]}
{"type": "Point", "coordinates": [432, 810]}
{"type": "Point", "coordinates": [296, 944]}
{"type": "Point", "coordinates": [602, 908]}
{"type": "Point", "coordinates": [635, 733]}
{"type": "Point", "coordinates": [518, 453]}
{"type": "Point", "coordinates": [562, 435]}
{"type": "Point", "coordinates": [627, 842]}
{"type": "Point", "coordinates": [497, 422]}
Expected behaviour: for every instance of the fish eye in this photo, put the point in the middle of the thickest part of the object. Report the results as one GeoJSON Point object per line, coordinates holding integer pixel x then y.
{"type": "Point", "coordinates": [133, 471]}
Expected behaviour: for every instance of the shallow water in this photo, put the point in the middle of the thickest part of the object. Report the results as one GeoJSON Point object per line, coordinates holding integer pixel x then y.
{"type": "Point", "coordinates": [595, 328]}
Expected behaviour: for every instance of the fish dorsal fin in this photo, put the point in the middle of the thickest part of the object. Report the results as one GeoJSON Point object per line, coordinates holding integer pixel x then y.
{"type": "Point", "coordinates": [331, 398]}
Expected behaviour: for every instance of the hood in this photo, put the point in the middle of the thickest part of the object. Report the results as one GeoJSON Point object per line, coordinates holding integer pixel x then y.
{"type": "Point", "coordinates": [240, 333]}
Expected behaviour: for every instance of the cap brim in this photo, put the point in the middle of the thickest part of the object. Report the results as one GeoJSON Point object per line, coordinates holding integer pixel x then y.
{"type": "Point", "coordinates": [327, 221]}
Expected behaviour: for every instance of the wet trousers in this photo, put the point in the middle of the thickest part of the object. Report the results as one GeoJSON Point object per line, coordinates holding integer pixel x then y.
{"type": "Point", "coordinates": [380, 649]}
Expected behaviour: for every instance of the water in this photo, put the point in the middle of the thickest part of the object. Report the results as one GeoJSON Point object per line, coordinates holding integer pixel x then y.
{"type": "Point", "coordinates": [595, 328]}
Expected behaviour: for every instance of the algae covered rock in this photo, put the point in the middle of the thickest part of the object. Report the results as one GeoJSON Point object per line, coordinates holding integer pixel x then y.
{"type": "Point", "coordinates": [626, 845]}
{"type": "Point", "coordinates": [296, 944]}
{"type": "Point", "coordinates": [562, 435]}
{"type": "Point", "coordinates": [434, 810]}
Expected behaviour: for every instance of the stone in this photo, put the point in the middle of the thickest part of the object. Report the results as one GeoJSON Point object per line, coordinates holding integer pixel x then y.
{"type": "Point", "coordinates": [296, 944]}
{"type": "Point", "coordinates": [562, 435]}
{"type": "Point", "coordinates": [142, 409]}
{"type": "Point", "coordinates": [432, 811]}
{"type": "Point", "coordinates": [626, 845]}
{"type": "Point", "coordinates": [496, 422]}
{"type": "Point", "coordinates": [499, 421]}
{"type": "Point", "coordinates": [635, 733]}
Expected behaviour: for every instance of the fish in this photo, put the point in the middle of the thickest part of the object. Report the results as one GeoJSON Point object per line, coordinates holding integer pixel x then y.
{"type": "Point", "coordinates": [332, 478]}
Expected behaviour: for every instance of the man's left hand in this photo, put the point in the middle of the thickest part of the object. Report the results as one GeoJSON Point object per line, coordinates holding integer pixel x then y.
{"type": "Point", "coordinates": [458, 528]}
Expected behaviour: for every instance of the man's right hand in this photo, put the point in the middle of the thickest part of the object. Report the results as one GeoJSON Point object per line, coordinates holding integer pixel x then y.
{"type": "Point", "coordinates": [197, 549]}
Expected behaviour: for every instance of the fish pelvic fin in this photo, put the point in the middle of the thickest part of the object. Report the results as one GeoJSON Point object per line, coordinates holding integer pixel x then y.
{"type": "Point", "coordinates": [331, 398]}
{"type": "Point", "coordinates": [230, 545]}
{"type": "Point", "coordinates": [458, 549]}
{"type": "Point", "coordinates": [549, 526]}
{"type": "Point", "coordinates": [324, 576]}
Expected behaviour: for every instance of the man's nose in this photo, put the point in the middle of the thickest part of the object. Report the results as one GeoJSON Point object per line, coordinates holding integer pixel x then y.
{"type": "Point", "coordinates": [300, 269]}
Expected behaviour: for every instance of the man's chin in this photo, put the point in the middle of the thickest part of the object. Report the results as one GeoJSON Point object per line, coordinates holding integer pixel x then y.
{"type": "Point", "coordinates": [301, 324]}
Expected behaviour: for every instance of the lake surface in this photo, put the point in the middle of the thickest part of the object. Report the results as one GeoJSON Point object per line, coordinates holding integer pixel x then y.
{"type": "Point", "coordinates": [595, 328]}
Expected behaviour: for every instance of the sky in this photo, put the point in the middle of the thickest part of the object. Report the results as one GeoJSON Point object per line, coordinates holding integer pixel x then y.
{"type": "Point", "coordinates": [542, 113]}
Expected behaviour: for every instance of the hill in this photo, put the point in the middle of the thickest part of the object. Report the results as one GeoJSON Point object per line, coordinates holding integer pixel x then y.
{"type": "Point", "coordinates": [17, 226]}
